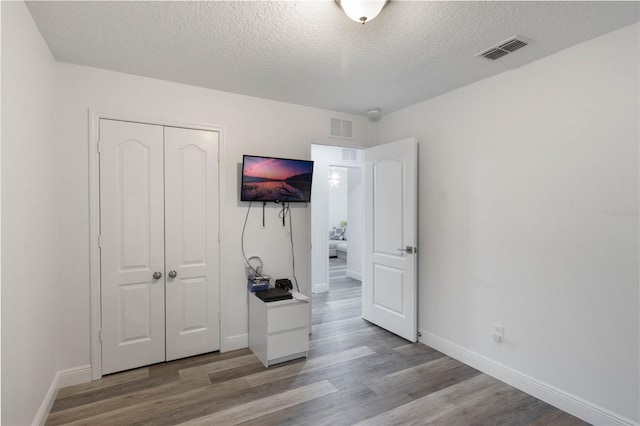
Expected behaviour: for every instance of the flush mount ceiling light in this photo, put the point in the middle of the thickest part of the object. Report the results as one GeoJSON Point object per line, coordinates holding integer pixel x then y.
{"type": "Point", "coordinates": [362, 10]}
{"type": "Point", "coordinates": [374, 114]}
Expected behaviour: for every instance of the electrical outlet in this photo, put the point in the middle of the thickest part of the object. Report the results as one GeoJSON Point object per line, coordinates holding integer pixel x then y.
{"type": "Point", "coordinates": [498, 333]}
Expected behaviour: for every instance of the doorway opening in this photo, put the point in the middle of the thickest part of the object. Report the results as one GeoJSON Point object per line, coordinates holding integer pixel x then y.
{"type": "Point", "coordinates": [343, 265]}
{"type": "Point", "coordinates": [337, 231]}
{"type": "Point", "coordinates": [388, 213]}
{"type": "Point", "coordinates": [337, 223]}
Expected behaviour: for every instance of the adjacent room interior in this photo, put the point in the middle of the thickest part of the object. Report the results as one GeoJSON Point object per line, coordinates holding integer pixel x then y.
{"type": "Point", "coordinates": [475, 193]}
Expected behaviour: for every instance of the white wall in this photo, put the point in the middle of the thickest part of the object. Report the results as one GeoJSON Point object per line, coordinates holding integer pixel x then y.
{"type": "Point", "coordinates": [29, 232]}
{"type": "Point", "coordinates": [528, 218]}
{"type": "Point", "coordinates": [345, 204]}
{"type": "Point", "coordinates": [251, 126]}
{"type": "Point", "coordinates": [338, 198]}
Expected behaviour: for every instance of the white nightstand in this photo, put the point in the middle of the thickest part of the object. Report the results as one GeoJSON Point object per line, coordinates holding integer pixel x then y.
{"type": "Point", "coordinates": [278, 331]}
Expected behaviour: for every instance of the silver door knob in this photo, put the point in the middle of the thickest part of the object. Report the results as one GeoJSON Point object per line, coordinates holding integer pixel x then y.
{"type": "Point", "coordinates": [157, 275]}
{"type": "Point", "coordinates": [173, 274]}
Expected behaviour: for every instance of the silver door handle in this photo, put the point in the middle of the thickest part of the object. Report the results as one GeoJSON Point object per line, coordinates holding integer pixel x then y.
{"type": "Point", "coordinates": [157, 275]}
{"type": "Point", "coordinates": [173, 274]}
{"type": "Point", "coordinates": [408, 249]}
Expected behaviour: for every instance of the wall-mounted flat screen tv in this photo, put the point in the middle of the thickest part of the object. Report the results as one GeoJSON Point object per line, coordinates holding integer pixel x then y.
{"type": "Point", "coordinates": [279, 180]}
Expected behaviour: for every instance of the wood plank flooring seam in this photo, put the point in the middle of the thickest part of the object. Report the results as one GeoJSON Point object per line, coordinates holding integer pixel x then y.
{"type": "Point", "coordinates": [219, 366]}
{"type": "Point", "coordinates": [309, 365]}
{"type": "Point", "coordinates": [123, 403]}
{"type": "Point", "coordinates": [264, 406]}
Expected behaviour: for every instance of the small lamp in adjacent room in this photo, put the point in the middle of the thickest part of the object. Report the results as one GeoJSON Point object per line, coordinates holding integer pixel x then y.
{"type": "Point", "coordinates": [362, 10]}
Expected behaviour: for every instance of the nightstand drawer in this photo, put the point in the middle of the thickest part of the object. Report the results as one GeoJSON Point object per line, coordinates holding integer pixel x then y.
{"type": "Point", "coordinates": [287, 317]}
{"type": "Point", "coordinates": [290, 342]}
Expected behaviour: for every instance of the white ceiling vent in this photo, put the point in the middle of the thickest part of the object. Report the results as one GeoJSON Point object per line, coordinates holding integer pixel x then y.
{"type": "Point", "coordinates": [504, 48]}
{"type": "Point", "coordinates": [341, 128]}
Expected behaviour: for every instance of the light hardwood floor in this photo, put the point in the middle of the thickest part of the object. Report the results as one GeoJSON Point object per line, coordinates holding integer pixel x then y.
{"type": "Point", "coordinates": [356, 373]}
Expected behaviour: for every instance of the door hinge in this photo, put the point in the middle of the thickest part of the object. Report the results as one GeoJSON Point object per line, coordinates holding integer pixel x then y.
{"type": "Point", "coordinates": [100, 241]}
{"type": "Point", "coordinates": [98, 146]}
{"type": "Point", "coordinates": [100, 335]}
{"type": "Point", "coordinates": [218, 236]}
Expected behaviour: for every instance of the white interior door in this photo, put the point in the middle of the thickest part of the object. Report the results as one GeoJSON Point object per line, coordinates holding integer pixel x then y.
{"type": "Point", "coordinates": [390, 281]}
{"type": "Point", "coordinates": [132, 245]}
{"type": "Point", "coordinates": [191, 214]}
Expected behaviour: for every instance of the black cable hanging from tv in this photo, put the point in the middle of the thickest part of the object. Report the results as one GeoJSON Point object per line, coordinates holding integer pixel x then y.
{"type": "Point", "coordinates": [244, 227]}
{"type": "Point", "coordinates": [264, 205]}
{"type": "Point", "coordinates": [286, 210]}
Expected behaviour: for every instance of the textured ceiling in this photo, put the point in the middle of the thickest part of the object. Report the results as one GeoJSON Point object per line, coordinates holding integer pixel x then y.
{"type": "Point", "coordinates": [310, 53]}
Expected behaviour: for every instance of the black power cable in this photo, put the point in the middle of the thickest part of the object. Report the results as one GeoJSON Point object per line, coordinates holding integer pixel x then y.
{"type": "Point", "coordinates": [258, 274]}
{"type": "Point", "coordinates": [283, 214]}
{"type": "Point", "coordinates": [286, 210]}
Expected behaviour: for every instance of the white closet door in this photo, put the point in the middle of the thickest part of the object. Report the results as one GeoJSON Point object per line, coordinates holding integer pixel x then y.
{"type": "Point", "coordinates": [191, 214]}
{"type": "Point", "coordinates": [132, 245]}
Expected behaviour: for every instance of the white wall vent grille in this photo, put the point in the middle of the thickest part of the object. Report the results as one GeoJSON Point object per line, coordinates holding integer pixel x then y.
{"type": "Point", "coordinates": [504, 48]}
{"type": "Point", "coordinates": [349, 154]}
{"type": "Point", "coordinates": [341, 128]}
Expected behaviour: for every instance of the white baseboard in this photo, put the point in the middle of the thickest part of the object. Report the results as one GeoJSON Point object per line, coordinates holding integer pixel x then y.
{"type": "Point", "coordinates": [233, 343]}
{"type": "Point", "coordinates": [62, 378]}
{"type": "Point", "coordinates": [47, 403]}
{"type": "Point", "coordinates": [74, 376]}
{"type": "Point", "coordinates": [565, 401]}
{"type": "Point", "coordinates": [355, 275]}
{"type": "Point", "coordinates": [320, 288]}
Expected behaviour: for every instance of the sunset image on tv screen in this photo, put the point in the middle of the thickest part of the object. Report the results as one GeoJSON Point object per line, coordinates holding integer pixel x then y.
{"type": "Point", "coordinates": [276, 179]}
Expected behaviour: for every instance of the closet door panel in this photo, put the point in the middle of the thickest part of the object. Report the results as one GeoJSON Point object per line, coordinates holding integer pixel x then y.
{"type": "Point", "coordinates": [191, 238]}
{"type": "Point", "coordinates": [132, 247]}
